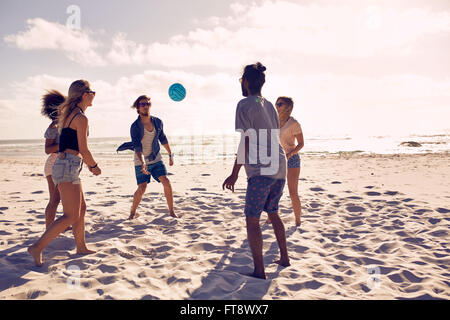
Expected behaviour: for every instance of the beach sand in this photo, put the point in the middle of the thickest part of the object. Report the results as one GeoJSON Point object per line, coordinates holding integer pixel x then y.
{"type": "Point", "coordinates": [373, 227]}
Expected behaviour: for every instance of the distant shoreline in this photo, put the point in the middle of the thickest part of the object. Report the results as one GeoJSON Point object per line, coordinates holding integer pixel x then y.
{"type": "Point", "coordinates": [216, 147]}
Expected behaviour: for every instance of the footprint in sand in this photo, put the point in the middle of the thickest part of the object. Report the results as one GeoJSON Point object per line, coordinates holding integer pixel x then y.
{"type": "Point", "coordinates": [440, 210]}
{"type": "Point", "coordinates": [108, 269]}
{"type": "Point", "coordinates": [109, 203]}
{"type": "Point", "coordinates": [177, 280]}
{"type": "Point", "coordinates": [434, 221]}
{"type": "Point", "coordinates": [314, 285]}
{"type": "Point", "coordinates": [198, 189]}
{"type": "Point", "coordinates": [300, 249]}
{"type": "Point", "coordinates": [107, 280]}
{"type": "Point", "coordinates": [421, 211]}
{"type": "Point", "coordinates": [391, 193]}
{"type": "Point", "coordinates": [369, 187]}
{"type": "Point", "coordinates": [188, 209]}
{"type": "Point", "coordinates": [317, 189]}
{"type": "Point", "coordinates": [400, 277]}
{"type": "Point", "coordinates": [416, 241]}
{"type": "Point", "coordinates": [355, 209]}
{"type": "Point", "coordinates": [360, 248]}
{"type": "Point", "coordinates": [440, 233]}
{"type": "Point", "coordinates": [195, 236]}
{"type": "Point", "coordinates": [36, 294]}
{"type": "Point", "coordinates": [373, 194]}
{"type": "Point", "coordinates": [354, 198]}
{"type": "Point", "coordinates": [37, 192]}
{"type": "Point", "coordinates": [336, 182]}
{"type": "Point", "coordinates": [4, 208]}
{"type": "Point", "coordinates": [357, 224]}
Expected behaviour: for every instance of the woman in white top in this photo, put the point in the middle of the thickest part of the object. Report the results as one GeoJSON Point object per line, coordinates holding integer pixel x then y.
{"type": "Point", "coordinates": [50, 102]}
{"type": "Point", "coordinates": [290, 130]}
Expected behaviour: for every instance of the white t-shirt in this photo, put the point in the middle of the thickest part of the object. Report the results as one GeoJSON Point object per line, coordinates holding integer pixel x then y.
{"type": "Point", "coordinates": [257, 118]}
{"type": "Point", "coordinates": [147, 141]}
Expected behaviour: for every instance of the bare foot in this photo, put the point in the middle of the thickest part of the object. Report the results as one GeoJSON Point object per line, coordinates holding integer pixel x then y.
{"type": "Point", "coordinates": [256, 275]}
{"type": "Point", "coordinates": [85, 251]}
{"type": "Point", "coordinates": [173, 215]}
{"type": "Point", "coordinates": [283, 263]}
{"type": "Point", "coordinates": [132, 215]}
{"type": "Point", "coordinates": [37, 256]}
{"type": "Point", "coordinates": [298, 219]}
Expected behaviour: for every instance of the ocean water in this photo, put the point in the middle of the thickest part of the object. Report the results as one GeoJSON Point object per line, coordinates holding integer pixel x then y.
{"type": "Point", "coordinates": [208, 148]}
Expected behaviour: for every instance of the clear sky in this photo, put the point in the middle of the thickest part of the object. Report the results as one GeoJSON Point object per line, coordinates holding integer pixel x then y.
{"type": "Point", "coordinates": [356, 67]}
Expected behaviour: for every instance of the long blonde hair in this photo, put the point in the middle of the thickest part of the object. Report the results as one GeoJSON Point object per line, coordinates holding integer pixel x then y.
{"type": "Point", "coordinates": [76, 91]}
{"type": "Point", "coordinates": [289, 107]}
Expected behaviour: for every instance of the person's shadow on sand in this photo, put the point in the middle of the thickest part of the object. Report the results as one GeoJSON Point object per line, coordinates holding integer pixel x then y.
{"type": "Point", "coordinates": [16, 262]}
{"type": "Point", "coordinates": [12, 266]}
{"type": "Point", "coordinates": [228, 279]}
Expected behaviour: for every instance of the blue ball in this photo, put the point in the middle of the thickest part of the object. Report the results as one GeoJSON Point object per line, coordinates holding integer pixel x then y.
{"type": "Point", "coordinates": [177, 92]}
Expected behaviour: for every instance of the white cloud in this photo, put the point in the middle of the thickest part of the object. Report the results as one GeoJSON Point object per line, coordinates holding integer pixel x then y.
{"type": "Point", "coordinates": [279, 33]}
{"type": "Point", "coordinates": [77, 45]}
{"type": "Point", "coordinates": [283, 34]}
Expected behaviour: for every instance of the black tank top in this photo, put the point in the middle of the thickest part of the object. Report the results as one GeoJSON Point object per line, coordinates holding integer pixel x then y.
{"type": "Point", "coordinates": [68, 138]}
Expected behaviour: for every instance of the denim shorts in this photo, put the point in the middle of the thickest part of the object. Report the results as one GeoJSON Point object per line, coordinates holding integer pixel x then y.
{"type": "Point", "coordinates": [294, 161]}
{"type": "Point", "coordinates": [263, 194]}
{"type": "Point", "coordinates": [156, 170]}
{"type": "Point", "coordinates": [67, 169]}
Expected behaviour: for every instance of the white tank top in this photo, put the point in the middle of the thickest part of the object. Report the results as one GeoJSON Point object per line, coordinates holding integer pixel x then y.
{"type": "Point", "coordinates": [147, 141]}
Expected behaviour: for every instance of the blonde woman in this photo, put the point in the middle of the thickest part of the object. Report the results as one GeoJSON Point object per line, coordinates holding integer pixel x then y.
{"type": "Point", "coordinates": [73, 151]}
{"type": "Point", "coordinates": [290, 131]}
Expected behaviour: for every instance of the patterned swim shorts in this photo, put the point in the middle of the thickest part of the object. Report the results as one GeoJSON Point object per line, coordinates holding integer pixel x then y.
{"type": "Point", "coordinates": [263, 194]}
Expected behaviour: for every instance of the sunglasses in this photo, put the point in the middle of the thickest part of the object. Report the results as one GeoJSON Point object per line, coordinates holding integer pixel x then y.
{"type": "Point", "coordinates": [279, 104]}
{"type": "Point", "coordinates": [145, 104]}
{"type": "Point", "coordinates": [89, 91]}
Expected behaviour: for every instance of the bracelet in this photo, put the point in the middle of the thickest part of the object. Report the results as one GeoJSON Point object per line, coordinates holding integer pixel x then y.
{"type": "Point", "coordinates": [170, 155]}
{"type": "Point", "coordinates": [93, 167]}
